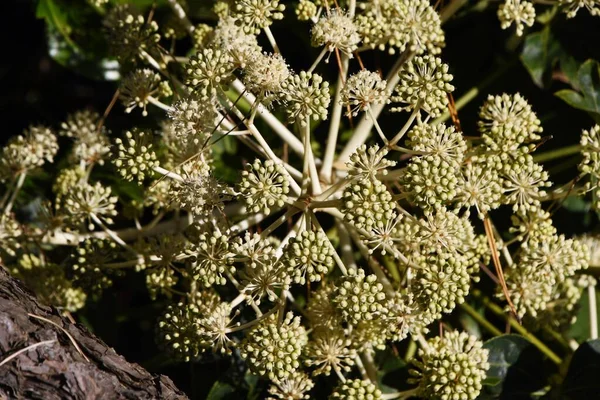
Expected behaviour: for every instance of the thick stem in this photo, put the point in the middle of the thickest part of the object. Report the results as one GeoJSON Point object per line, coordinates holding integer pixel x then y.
{"type": "Point", "coordinates": [168, 173]}
{"type": "Point", "coordinates": [593, 312]}
{"type": "Point", "coordinates": [317, 60]}
{"type": "Point", "coordinates": [558, 153]}
{"type": "Point", "coordinates": [274, 123]}
{"type": "Point", "coordinates": [334, 123]}
{"type": "Point", "coordinates": [361, 133]}
{"type": "Point", "coordinates": [406, 126]}
{"type": "Point", "coordinates": [13, 196]}
{"type": "Point", "coordinates": [160, 104]}
{"type": "Point", "coordinates": [271, 39]}
{"type": "Point", "coordinates": [180, 13]}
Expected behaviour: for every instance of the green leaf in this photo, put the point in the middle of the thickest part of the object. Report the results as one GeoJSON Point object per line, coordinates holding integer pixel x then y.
{"type": "Point", "coordinates": [588, 97]}
{"type": "Point", "coordinates": [582, 380]}
{"type": "Point", "coordinates": [516, 368]}
{"type": "Point", "coordinates": [540, 53]}
{"type": "Point", "coordinates": [56, 17]}
{"type": "Point", "coordinates": [219, 391]}
{"type": "Point", "coordinates": [580, 330]}
{"type": "Point", "coordinates": [576, 204]}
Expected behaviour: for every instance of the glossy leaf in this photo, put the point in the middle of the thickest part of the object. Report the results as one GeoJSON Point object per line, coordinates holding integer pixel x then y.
{"type": "Point", "coordinates": [540, 52]}
{"type": "Point", "coordinates": [582, 380]}
{"type": "Point", "coordinates": [588, 97]}
{"type": "Point", "coordinates": [516, 368]}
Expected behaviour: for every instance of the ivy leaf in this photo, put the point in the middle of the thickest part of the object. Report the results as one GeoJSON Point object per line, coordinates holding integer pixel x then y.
{"type": "Point", "coordinates": [588, 98]}
{"type": "Point", "coordinates": [582, 380]}
{"type": "Point", "coordinates": [56, 17]}
{"type": "Point", "coordinates": [516, 368]}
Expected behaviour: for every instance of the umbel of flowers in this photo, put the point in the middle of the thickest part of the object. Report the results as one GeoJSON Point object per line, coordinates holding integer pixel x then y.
{"type": "Point", "coordinates": [386, 231]}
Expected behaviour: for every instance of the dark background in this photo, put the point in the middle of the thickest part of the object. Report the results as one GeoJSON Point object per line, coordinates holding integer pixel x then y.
{"type": "Point", "coordinates": [36, 89]}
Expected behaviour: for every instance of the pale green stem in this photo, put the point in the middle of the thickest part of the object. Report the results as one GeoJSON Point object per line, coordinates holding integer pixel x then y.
{"type": "Point", "coordinates": [475, 91]}
{"type": "Point", "coordinates": [317, 60]}
{"type": "Point", "coordinates": [13, 196]}
{"type": "Point", "coordinates": [271, 39]}
{"type": "Point", "coordinates": [345, 246]}
{"type": "Point", "coordinates": [480, 319]}
{"type": "Point", "coordinates": [113, 235]}
{"type": "Point", "coordinates": [410, 351]}
{"type": "Point", "coordinates": [168, 173]}
{"type": "Point", "coordinates": [377, 127]}
{"type": "Point", "coordinates": [451, 8]}
{"type": "Point", "coordinates": [151, 60]}
{"type": "Point", "coordinates": [369, 364]}
{"type": "Point", "coordinates": [334, 123]}
{"type": "Point", "coordinates": [290, 213]}
{"type": "Point", "coordinates": [406, 126]}
{"type": "Point", "coordinates": [254, 322]}
{"type": "Point", "coordinates": [362, 130]}
{"type": "Point", "coordinates": [333, 189]}
{"type": "Point", "coordinates": [496, 309]}
{"type": "Point", "coordinates": [336, 257]}
{"type": "Point", "coordinates": [180, 13]}
{"type": "Point", "coordinates": [361, 368]}
{"type": "Point", "coordinates": [250, 221]}
{"type": "Point", "coordinates": [274, 123]}
{"type": "Point", "coordinates": [558, 153]}
{"type": "Point", "coordinates": [593, 312]}
{"type": "Point", "coordinates": [160, 104]}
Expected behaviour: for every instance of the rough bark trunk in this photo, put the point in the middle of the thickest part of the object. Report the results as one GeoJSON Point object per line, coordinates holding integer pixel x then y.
{"type": "Point", "coordinates": [56, 369]}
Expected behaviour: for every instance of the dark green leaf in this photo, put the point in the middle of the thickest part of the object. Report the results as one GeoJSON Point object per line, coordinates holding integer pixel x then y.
{"type": "Point", "coordinates": [56, 17]}
{"type": "Point", "coordinates": [516, 368]}
{"type": "Point", "coordinates": [580, 330]}
{"type": "Point", "coordinates": [539, 54]}
{"type": "Point", "coordinates": [576, 204]}
{"type": "Point", "coordinates": [582, 380]}
{"type": "Point", "coordinates": [588, 99]}
{"type": "Point", "coordinates": [219, 391]}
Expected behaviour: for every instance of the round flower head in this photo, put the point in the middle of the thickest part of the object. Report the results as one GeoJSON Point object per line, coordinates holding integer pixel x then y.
{"type": "Point", "coordinates": [10, 230]}
{"type": "Point", "coordinates": [320, 308]}
{"type": "Point", "coordinates": [368, 205]}
{"type": "Point", "coordinates": [193, 120]}
{"type": "Point", "coordinates": [590, 165]}
{"type": "Point", "coordinates": [199, 192]}
{"type": "Point", "coordinates": [507, 121]}
{"type": "Point", "coordinates": [519, 12]}
{"type": "Point", "coordinates": [91, 202]}
{"type": "Point", "coordinates": [452, 367]}
{"type": "Point", "coordinates": [356, 389]}
{"type": "Point", "coordinates": [308, 255]}
{"type": "Point", "coordinates": [411, 25]}
{"type": "Point", "coordinates": [91, 144]}
{"type": "Point", "coordinates": [264, 186]}
{"type": "Point", "coordinates": [214, 327]}
{"type": "Point", "coordinates": [329, 350]}
{"type": "Point", "coordinates": [523, 183]}
{"type": "Point", "coordinates": [177, 331]}
{"type": "Point", "coordinates": [441, 229]}
{"type": "Point", "coordinates": [213, 259]}
{"type": "Point", "coordinates": [571, 7]}
{"type": "Point", "coordinates": [208, 69]}
{"type": "Point", "coordinates": [438, 140]}
{"type": "Point", "coordinates": [295, 387]}
{"type": "Point", "coordinates": [554, 257]}
{"type": "Point", "coordinates": [49, 282]}
{"type": "Point", "coordinates": [129, 34]}
{"type": "Point", "coordinates": [265, 74]}
{"type": "Point", "coordinates": [307, 96]}
{"type": "Point", "coordinates": [534, 225]}
{"type": "Point", "coordinates": [479, 186]}
{"type": "Point", "coordinates": [424, 85]}
{"type": "Point", "coordinates": [87, 264]}
{"type": "Point", "coordinates": [265, 279]}
{"type": "Point", "coordinates": [306, 10]}
{"type": "Point", "coordinates": [201, 35]}
{"type": "Point", "coordinates": [336, 31]}
{"type": "Point", "coordinates": [135, 158]}
{"type": "Point", "coordinates": [441, 282]}
{"type": "Point", "coordinates": [431, 181]}
{"type": "Point", "coordinates": [368, 163]}
{"type": "Point", "coordinates": [528, 293]}
{"type": "Point", "coordinates": [36, 146]}
{"type": "Point", "coordinates": [360, 297]}
{"type": "Point", "coordinates": [363, 89]}
{"type": "Point", "coordinates": [255, 15]}
{"type": "Point", "coordinates": [140, 88]}
{"type": "Point", "coordinates": [273, 349]}
{"type": "Point", "coordinates": [231, 38]}
{"type": "Point", "coordinates": [591, 242]}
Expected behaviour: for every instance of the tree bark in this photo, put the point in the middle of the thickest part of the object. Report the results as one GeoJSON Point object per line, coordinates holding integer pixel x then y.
{"type": "Point", "coordinates": [56, 369]}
